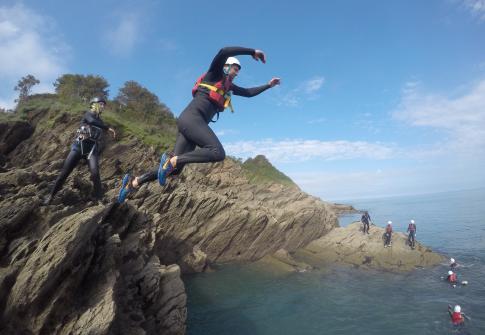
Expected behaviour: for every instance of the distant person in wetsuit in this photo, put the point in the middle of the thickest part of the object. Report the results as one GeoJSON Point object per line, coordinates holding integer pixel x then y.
{"type": "Point", "coordinates": [196, 142]}
{"type": "Point", "coordinates": [388, 234]}
{"type": "Point", "coordinates": [453, 264]}
{"type": "Point", "coordinates": [457, 317]}
{"type": "Point", "coordinates": [365, 219]}
{"type": "Point", "coordinates": [412, 234]}
{"type": "Point", "coordinates": [85, 146]}
{"type": "Point", "coordinates": [452, 278]}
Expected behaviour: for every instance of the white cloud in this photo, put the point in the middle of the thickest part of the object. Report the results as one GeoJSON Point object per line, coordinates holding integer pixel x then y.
{"type": "Point", "coordinates": [30, 45]}
{"type": "Point", "coordinates": [308, 90]}
{"type": "Point", "coordinates": [462, 118]}
{"type": "Point", "coordinates": [225, 132]}
{"type": "Point", "coordinates": [315, 121]}
{"type": "Point", "coordinates": [313, 85]}
{"type": "Point", "coordinates": [124, 35]}
{"type": "Point", "coordinates": [304, 150]}
{"type": "Point", "coordinates": [476, 7]}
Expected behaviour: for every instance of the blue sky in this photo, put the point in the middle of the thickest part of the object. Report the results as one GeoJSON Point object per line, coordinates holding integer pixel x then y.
{"type": "Point", "coordinates": [377, 98]}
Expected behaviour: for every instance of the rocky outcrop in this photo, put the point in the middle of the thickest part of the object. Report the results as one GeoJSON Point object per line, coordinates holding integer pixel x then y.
{"type": "Point", "coordinates": [349, 245]}
{"type": "Point", "coordinates": [80, 266]}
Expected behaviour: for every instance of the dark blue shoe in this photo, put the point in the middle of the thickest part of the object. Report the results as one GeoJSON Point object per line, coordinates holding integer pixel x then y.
{"type": "Point", "coordinates": [164, 169]}
{"type": "Point", "coordinates": [125, 188]}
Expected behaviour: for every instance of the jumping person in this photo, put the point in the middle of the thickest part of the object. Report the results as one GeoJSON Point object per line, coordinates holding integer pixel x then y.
{"type": "Point", "coordinates": [211, 95]}
{"type": "Point", "coordinates": [85, 146]}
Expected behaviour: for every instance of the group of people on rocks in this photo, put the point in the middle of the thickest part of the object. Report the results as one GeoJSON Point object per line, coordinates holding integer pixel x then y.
{"type": "Point", "coordinates": [366, 220]}
{"type": "Point", "coordinates": [457, 316]}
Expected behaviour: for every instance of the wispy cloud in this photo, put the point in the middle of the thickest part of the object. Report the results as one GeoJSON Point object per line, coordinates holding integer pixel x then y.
{"type": "Point", "coordinates": [308, 90]}
{"type": "Point", "coordinates": [462, 117]}
{"type": "Point", "coordinates": [476, 7]}
{"type": "Point", "coordinates": [317, 121]}
{"type": "Point", "coordinates": [304, 150]}
{"type": "Point", "coordinates": [29, 44]}
{"type": "Point", "coordinates": [225, 132]}
{"type": "Point", "coordinates": [124, 34]}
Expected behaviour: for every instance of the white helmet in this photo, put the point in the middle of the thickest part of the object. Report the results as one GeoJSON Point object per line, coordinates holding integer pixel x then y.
{"type": "Point", "coordinates": [457, 309]}
{"type": "Point", "coordinates": [450, 273]}
{"type": "Point", "coordinates": [389, 222]}
{"type": "Point", "coordinates": [452, 260]}
{"type": "Point", "coordinates": [232, 61]}
{"type": "Point", "coordinates": [412, 221]}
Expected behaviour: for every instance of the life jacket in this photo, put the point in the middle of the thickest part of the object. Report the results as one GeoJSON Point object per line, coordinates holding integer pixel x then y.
{"type": "Point", "coordinates": [452, 278]}
{"type": "Point", "coordinates": [412, 227]}
{"type": "Point", "coordinates": [219, 92]}
{"type": "Point", "coordinates": [389, 229]}
{"type": "Point", "coordinates": [457, 318]}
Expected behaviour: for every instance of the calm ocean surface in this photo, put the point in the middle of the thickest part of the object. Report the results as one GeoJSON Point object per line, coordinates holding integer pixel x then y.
{"type": "Point", "coordinates": [251, 299]}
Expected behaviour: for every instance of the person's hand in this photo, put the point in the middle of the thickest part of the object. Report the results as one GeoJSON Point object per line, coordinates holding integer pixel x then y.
{"type": "Point", "coordinates": [113, 132]}
{"type": "Point", "coordinates": [259, 55]}
{"type": "Point", "coordinates": [274, 81]}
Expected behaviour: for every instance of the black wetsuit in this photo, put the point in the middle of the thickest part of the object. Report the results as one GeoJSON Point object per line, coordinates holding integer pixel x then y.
{"type": "Point", "coordinates": [365, 220]}
{"type": "Point", "coordinates": [96, 126]}
{"type": "Point", "coordinates": [193, 123]}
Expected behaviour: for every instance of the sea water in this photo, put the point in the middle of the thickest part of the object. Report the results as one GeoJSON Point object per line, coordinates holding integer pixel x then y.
{"type": "Point", "coordinates": [253, 299]}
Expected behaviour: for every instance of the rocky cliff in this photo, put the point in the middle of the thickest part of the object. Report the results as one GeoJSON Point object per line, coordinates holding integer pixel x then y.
{"type": "Point", "coordinates": [83, 267]}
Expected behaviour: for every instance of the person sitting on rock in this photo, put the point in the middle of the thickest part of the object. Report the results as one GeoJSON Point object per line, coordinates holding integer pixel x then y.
{"type": "Point", "coordinates": [452, 278]}
{"type": "Point", "coordinates": [211, 95]}
{"type": "Point", "coordinates": [365, 221]}
{"type": "Point", "coordinates": [457, 317]}
{"type": "Point", "coordinates": [85, 146]}
{"type": "Point", "coordinates": [388, 234]}
{"type": "Point", "coordinates": [412, 233]}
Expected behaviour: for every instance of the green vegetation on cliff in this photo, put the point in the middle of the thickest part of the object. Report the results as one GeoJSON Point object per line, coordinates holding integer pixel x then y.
{"type": "Point", "coordinates": [260, 170]}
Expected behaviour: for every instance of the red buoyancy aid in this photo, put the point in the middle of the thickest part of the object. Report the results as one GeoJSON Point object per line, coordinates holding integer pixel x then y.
{"type": "Point", "coordinates": [219, 92]}
{"type": "Point", "coordinates": [452, 278]}
{"type": "Point", "coordinates": [457, 318]}
{"type": "Point", "coordinates": [389, 229]}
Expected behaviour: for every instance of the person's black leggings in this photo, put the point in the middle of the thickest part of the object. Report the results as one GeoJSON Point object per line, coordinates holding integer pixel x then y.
{"type": "Point", "coordinates": [193, 131]}
{"type": "Point", "coordinates": [388, 238]}
{"type": "Point", "coordinates": [366, 227]}
{"type": "Point", "coordinates": [70, 163]}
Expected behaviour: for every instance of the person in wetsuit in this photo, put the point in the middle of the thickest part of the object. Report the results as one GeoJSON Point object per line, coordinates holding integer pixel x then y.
{"type": "Point", "coordinates": [211, 95]}
{"type": "Point", "coordinates": [457, 317]}
{"type": "Point", "coordinates": [412, 234]}
{"type": "Point", "coordinates": [365, 219]}
{"type": "Point", "coordinates": [85, 146]}
{"type": "Point", "coordinates": [388, 234]}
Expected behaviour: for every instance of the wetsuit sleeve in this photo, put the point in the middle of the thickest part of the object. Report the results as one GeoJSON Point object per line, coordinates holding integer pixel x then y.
{"type": "Point", "coordinates": [92, 121]}
{"type": "Point", "coordinates": [249, 92]}
{"type": "Point", "coordinates": [215, 71]}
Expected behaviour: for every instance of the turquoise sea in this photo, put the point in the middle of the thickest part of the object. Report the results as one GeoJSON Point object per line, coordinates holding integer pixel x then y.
{"type": "Point", "coordinates": [252, 299]}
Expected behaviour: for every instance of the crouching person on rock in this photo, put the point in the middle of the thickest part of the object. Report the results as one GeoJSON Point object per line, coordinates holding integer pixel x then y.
{"type": "Point", "coordinates": [85, 146]}
{"type": "Point", "coordinates": [196, 142]}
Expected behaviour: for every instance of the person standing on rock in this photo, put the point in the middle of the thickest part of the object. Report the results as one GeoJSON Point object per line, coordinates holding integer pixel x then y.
{"type": "Point", "coordinates": [412, 234]}
{"type": "Point", "coordinates": [85, 146]}
{"type": "Point", "coordinates": [388, 234]}
{"type": "Point", "coordinates": [211, 95]}
{"type": "Point", "coordinates": [365, 221]}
